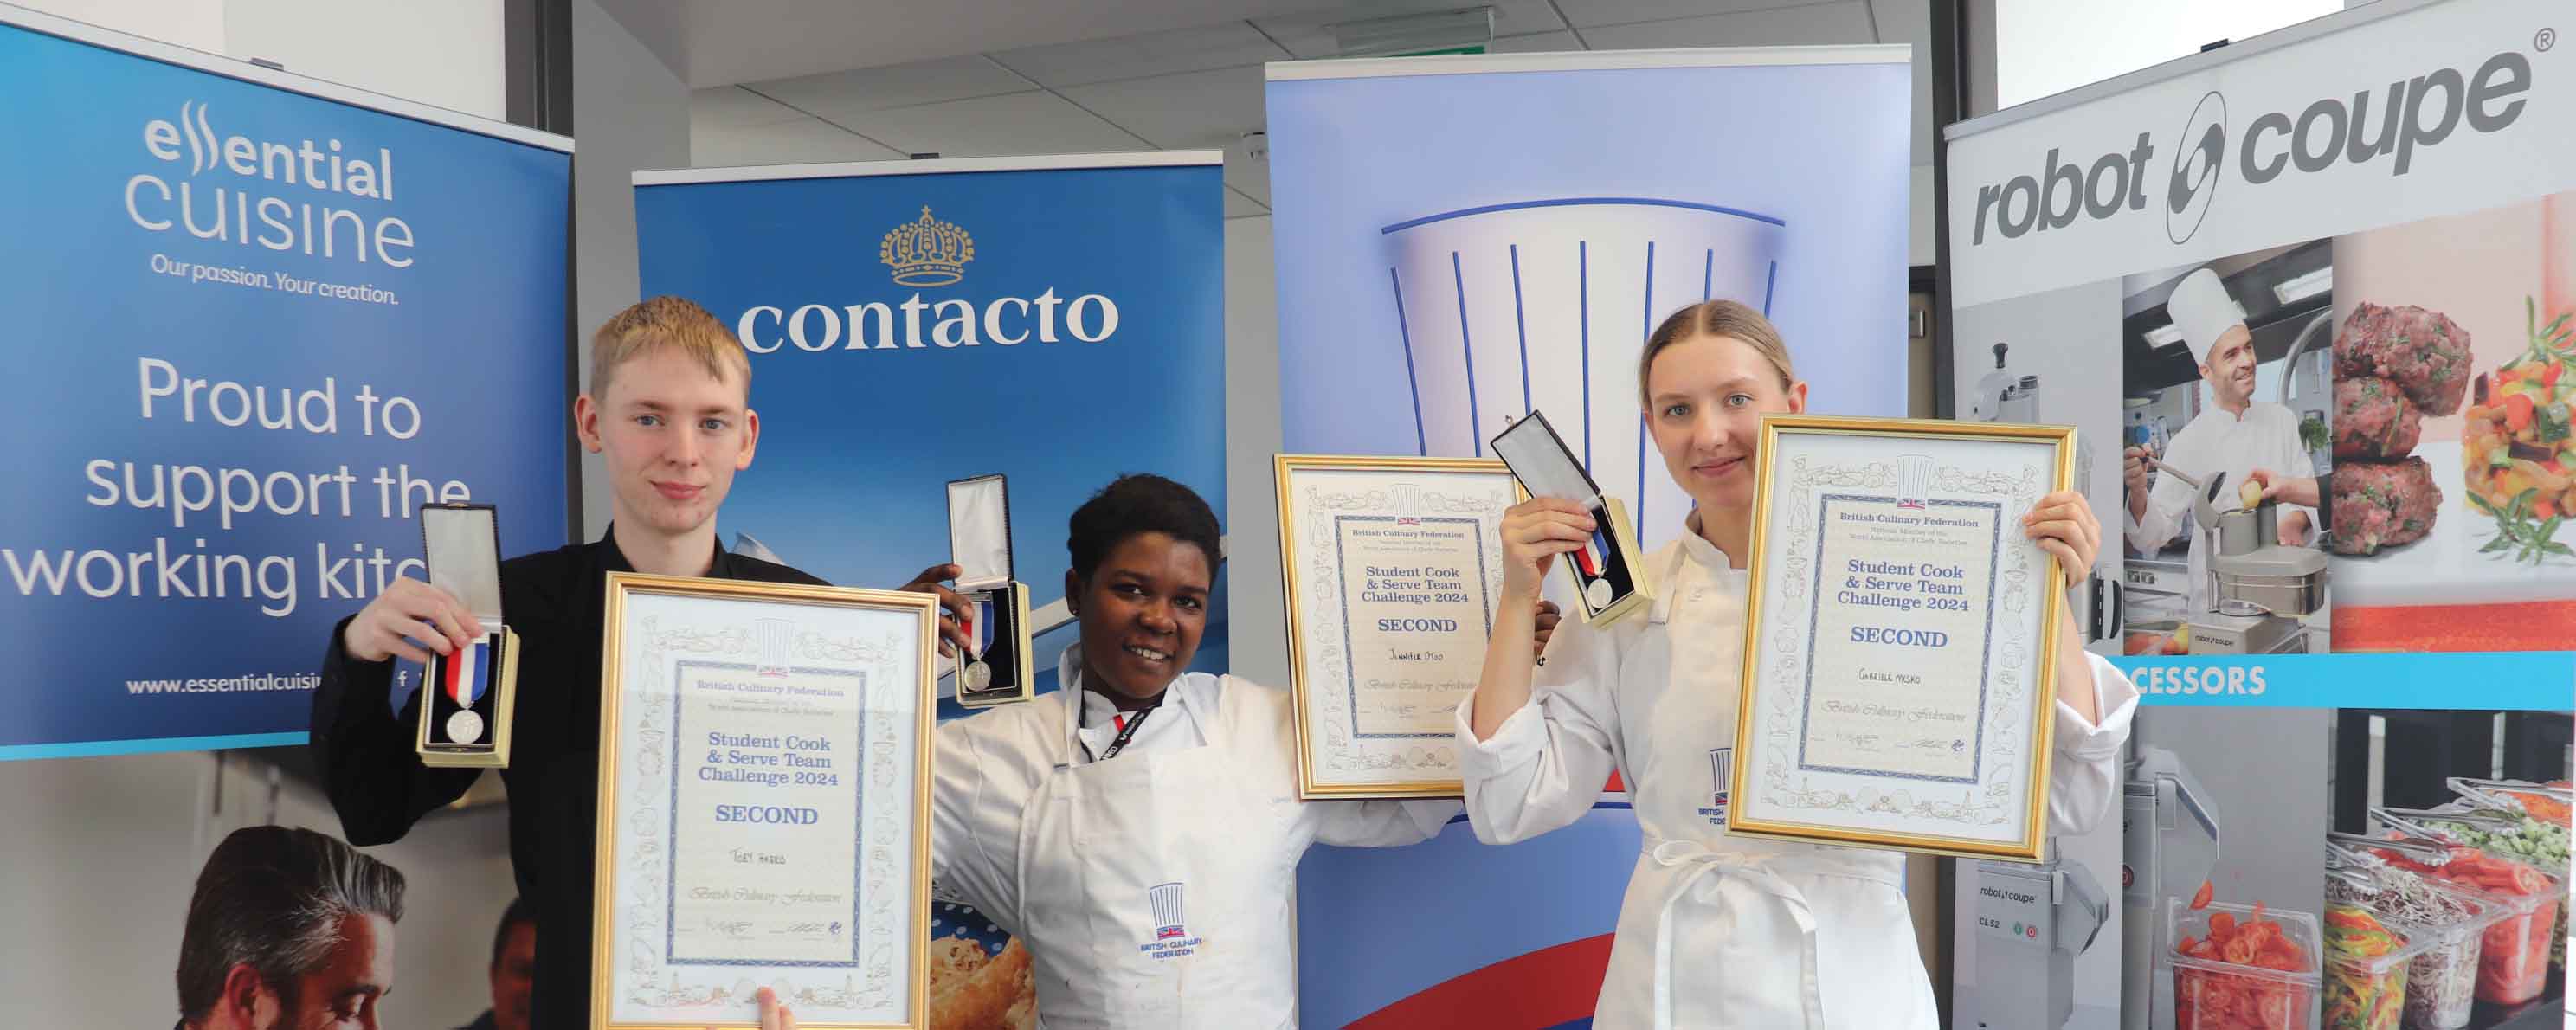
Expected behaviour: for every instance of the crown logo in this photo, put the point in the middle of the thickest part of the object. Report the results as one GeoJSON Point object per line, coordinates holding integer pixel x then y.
{"type": "Point", "coordinates": [927, 252]}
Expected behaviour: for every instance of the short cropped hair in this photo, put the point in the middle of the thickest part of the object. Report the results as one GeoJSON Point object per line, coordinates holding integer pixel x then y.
{"type": "Point", "coordinates": [1135, 504]}
{"type": "Point", "coordinates": [513, 917]}
{"type": "Point", "coordinates": [272, 898]}
{"type": "Point", "coordinates": [659, 322]}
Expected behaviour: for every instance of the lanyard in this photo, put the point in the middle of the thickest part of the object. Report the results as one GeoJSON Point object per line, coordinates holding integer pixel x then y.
{"type": "Point", "coordinates": [1116, 744]}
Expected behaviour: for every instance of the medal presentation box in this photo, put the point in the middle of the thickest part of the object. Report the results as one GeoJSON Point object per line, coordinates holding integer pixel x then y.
{"type": "Point", "coordinates": [996, 669]}
{"type": "Point", "coordinates": [1608, 569]}
{"type": "Point", "coordinates": [466, 705]}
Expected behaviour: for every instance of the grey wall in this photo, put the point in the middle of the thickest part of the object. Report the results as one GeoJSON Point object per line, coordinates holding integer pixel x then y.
{"type": "Point", "coordinates": [629, 112]}
{"type": "Point", "coordinates": [1253, 597]}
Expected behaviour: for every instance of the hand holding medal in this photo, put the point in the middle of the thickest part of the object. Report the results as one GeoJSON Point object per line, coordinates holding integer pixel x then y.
{"type": "Point", "coordinates": [1535, 531]}
{"type": "Point", "coordinates": [953, 607]}
{"type": "Point", "coordinates": [409, 620]}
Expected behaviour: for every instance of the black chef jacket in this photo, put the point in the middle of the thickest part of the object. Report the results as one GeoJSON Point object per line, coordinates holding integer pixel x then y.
{"type": "Point", "coordinates": [367, 755]}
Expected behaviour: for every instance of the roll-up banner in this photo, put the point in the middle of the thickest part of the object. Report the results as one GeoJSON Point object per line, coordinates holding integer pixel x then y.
{"type": "Point", "coordinates": [1464, 240]}
{"type": "Point", "coordinates": [2334, 271]}
{"type": "Point", "coordinates": [259, 320]}
{"type": "Point", "coordinates": [1057, 320]}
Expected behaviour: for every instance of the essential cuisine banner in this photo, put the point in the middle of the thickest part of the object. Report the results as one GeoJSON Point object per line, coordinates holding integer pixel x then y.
{"type": "Point", "coordinates": [258, 321]}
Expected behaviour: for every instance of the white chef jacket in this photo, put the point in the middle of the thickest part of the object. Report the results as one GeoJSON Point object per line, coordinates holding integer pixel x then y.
{"type": "Point", "coordinates": [1156, 888]}
{"type": "Point", "coordinates": [2265, 437]}
{"type": "Point", "coordinates": [1718, 930]}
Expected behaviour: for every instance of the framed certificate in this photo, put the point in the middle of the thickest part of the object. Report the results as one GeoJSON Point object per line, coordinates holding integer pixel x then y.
{"type": "Point", "coordinates": [764, 812]}
{"type": "Point", "coordinates": [1900, 646]}
{"type": "Point", "coordinates": [1391, 567]}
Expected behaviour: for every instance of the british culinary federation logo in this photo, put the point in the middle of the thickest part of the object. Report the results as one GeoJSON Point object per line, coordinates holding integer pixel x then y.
{"type": "Point", "coordinates": [927, 252]}
{"type": "Point", "coordinates": [1165, 900]}
{"type": "Point", "coordinates": [1406, 499]}
{"type": "Point", "coordinates": [1913, 481]}
{"type": "Point", "coordinates": [775, 641]}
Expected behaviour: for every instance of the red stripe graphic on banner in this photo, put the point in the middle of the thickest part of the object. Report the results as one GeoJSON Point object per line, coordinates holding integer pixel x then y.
{"type": "Point", "coordinates": [1544, 988]}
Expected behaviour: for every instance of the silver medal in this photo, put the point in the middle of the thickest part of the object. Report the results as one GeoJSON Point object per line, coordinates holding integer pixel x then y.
{"type": "Point", "coordinates": [465, 727]}
{"type": "Point", "coordinates": [978, 675]}
{"type": "Point", "coordinates": [1598, 593]}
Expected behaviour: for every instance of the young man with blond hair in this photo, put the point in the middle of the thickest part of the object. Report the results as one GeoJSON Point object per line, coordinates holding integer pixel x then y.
{"type": "Point", "coordinates": [669, 409]}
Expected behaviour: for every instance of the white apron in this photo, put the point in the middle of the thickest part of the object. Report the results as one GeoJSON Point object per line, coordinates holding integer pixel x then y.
{"type": "Point", "coordinates": [1139, 899]}
{"type": "Point", "coordinates": [1731, 932]}
{"type": "Point", "coordinates": [1716, 930]}
{"type": "Point", "coordinates": [1156, 889]}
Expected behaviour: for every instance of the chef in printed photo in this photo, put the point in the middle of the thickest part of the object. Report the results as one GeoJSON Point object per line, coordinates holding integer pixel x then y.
{"type": "Point", "coordinates": [2234, 436]}
{"type": "Point", "coordinates": [288, 930]}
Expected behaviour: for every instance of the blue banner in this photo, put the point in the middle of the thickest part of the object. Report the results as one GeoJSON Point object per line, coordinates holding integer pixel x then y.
{"type": "Point", "coordinates": [1462, 240]}
{"type": "Point", "coordinates": [910, 325]}
{"type": "Point", "coordinates": [257, 321]}
{"type": "Point", "coordinates": [2537, 681]}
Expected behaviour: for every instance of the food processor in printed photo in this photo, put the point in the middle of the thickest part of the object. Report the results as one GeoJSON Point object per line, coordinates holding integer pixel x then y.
{"type": "Point", "coordinates": [2170, 835]}
{"type": "Point", "coordinates": [2004, 396]}
{"type": "Point", "coordinates": [2263, 592]}
{"type": "Point", "coordinates": [2032, 922]}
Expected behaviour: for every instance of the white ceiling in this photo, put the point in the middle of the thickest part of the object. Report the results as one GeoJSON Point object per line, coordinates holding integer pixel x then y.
{"type": "Point", "coordinates": [1198, 87]}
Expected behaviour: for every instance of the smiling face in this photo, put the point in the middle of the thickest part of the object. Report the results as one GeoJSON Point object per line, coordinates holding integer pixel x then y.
{"type": "Point", "coordinates": [1705, 398]}
{"type": "Point", "coordinates": [673, 435]}
{"type": "Point", "coordinates": [1142, 611]}
{"type": "Point", "coordinates": [2230, 368]}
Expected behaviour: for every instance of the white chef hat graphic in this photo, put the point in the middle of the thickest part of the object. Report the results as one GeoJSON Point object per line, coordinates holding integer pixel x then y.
{"type": "Point", "coordinates": [775, 641]}
{"type": "Point", "coordinates": [1545, 305]}
{"type": "Point", "coordinates": [1165, 900]}
{"type": "Point", "coordinates": [1913, 480]}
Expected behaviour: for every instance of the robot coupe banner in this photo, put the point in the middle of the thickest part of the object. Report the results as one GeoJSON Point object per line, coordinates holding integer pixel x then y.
{"type": "Point", "coordinates": [1057, 325]}
{"type": "Point", "coordinates": [1440, 275]}
{"type": "Point", "coordinates": [255, 330]}
{"type": "Point", "coordinates": [2421, 113]}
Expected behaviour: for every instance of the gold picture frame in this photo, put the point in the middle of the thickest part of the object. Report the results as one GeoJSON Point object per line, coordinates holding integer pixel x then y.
{"type": "Point", "coordinates": [1760, 726]}
{"type": "Point", "coordinates": [1491, 490]}
{"type": "Point", "coordinates": [905, 648]}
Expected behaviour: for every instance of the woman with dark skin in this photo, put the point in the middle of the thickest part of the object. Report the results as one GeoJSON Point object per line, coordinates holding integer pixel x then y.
{"type": "Point", "coordinates": [1139, 829]}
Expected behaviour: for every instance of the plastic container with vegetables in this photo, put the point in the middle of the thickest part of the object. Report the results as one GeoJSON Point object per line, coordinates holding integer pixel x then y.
{"type": "Point", "coordinates": [2242, 968]}
{"type": "Point", "coordinates": [2513, 962]}
{"type": "Point", "coordinates": [2547, 802]}
{"type": "Point", "coordinates": [2442, 981]}
{"type": "Point", "coordinates": [2505, 832]}
{"type": "Point", "coordinates": [2366, 965]}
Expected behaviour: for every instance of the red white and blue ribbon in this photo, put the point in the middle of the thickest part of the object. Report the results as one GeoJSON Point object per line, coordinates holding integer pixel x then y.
{"type": "Point", "coordinates": [979, 628]}
{"type": "Point", "coordinates": [1594, 553]}
{"type": "Point", "coordinates": [465, 677]}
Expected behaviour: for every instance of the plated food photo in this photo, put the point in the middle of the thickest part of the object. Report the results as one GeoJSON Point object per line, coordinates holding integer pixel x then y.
{"type": "Point", "coordinates": [2518, 449]}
